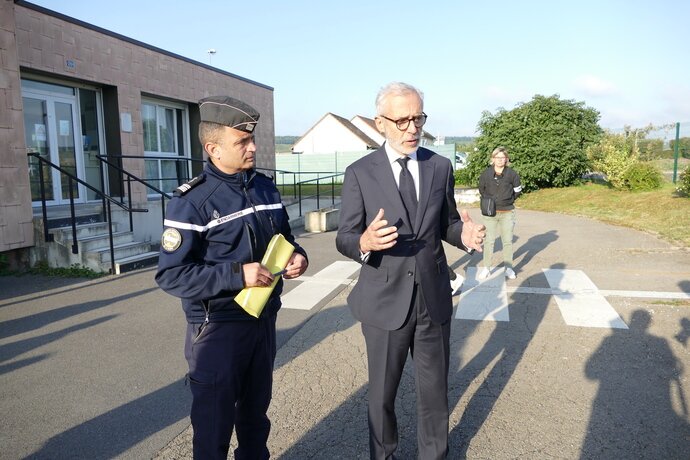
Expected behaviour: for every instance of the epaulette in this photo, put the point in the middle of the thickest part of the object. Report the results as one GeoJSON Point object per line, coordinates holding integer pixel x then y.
{"type": "Point", "coordinates": [259, 173]}
{"type": "Point", "coordinates": [186, 187]}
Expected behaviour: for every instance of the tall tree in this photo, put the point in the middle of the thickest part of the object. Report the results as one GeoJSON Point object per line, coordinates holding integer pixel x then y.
{"type": "Point", "coordinates": [546, 140]}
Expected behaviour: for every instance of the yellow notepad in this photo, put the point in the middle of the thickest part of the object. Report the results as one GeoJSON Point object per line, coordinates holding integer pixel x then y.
{"type": "Point", "coordinates": [277, 255]}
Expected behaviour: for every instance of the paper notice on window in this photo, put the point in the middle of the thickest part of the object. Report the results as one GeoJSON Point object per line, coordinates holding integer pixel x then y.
{"type": "Point", "coordinates": [64, 128]}
{"type": "Point", "coordinates": [40, 132]}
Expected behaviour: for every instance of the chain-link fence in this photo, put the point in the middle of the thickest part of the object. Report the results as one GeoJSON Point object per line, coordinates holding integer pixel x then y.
{"type": "Point", "coordinates": [667, 145]}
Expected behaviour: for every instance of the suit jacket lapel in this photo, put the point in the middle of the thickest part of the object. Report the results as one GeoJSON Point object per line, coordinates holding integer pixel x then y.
{"type": "Point", "coordinates": [426, 178]}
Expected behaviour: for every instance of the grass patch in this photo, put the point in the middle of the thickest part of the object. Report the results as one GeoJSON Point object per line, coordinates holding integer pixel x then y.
{"type": "Point", "coordinates": [660, 212]}
{"type": "Point", "coordinates": [42, 268]}
{"type": "Point", "coordinates": [672, 302]}
{"type": "Point", "coordinates": [73, 271]}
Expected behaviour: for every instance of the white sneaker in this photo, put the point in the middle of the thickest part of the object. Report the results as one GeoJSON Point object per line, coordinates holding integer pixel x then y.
{"type": "Point", "coordinates": [510, 274]}
{"type": "Point", "coordinates": [456, 284]}
{"type": "Point", "coordinates": [483, 273]}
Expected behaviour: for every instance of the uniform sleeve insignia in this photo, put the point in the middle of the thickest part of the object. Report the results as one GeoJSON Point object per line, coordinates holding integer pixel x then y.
{"type": "Point", "coordinates": [184, 188]}
{"type": "Point", "coordinates": [171, 239]}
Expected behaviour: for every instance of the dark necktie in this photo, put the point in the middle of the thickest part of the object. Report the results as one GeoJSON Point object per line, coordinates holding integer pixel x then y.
{"type": "Point", "coordinates": [407, 189]}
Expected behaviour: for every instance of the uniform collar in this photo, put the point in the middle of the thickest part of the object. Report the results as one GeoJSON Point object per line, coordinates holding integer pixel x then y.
{"type": "Point", "coordinates": [238, 178]}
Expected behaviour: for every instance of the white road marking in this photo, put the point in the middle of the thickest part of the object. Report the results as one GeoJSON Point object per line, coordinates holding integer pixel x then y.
{"type": "Point", "coordinates": [580, 301]}
{"type": "Point", "coordinates": [483, 300]}
{"type": "Point", "coordinates": [314, 288]}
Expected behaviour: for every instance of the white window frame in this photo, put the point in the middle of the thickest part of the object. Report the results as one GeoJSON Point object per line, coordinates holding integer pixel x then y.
{"type": "Point", "coordinates": [179, 110]}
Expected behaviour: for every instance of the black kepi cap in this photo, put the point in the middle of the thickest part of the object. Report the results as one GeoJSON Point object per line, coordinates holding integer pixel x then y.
{"type": "Point", "coordinates": [228, 111]}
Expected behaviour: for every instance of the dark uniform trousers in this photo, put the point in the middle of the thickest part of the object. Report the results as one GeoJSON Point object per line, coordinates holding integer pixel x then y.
{"type": "Point", "coordinates": [231, 366]}
{"type": "Point", "coordinates": [386, 353]}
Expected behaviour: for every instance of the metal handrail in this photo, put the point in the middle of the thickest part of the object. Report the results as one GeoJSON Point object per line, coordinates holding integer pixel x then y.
{"type": "Point", "coordinates": [131, 177]}
{"type": "Point", "coordinates": [106, 200]}
{"type": "Point", "coordinates": [296, 185]}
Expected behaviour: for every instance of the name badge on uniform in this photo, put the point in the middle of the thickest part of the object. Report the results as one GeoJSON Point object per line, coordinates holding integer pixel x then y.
{"type": "Point", "coordinates": [171, 239]}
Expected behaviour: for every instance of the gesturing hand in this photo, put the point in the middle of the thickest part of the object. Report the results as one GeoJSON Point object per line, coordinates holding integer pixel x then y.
{"type": "Point", "coordinates": [472, 233]}
{"type": "Point", "coordinates": [378, 236]}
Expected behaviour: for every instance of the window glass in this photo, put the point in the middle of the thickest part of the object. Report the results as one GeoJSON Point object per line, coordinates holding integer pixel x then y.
{"type": "Point", "coordinates": [148, 116]}
{"type": "Point", "coordinates": [167, 130]}
{"type": "Point", "coordinates": [165, 127]}
{"type": "Point", "coordinates": [169, 179]}
{"type": "Point", "coordinates": [48, 87]}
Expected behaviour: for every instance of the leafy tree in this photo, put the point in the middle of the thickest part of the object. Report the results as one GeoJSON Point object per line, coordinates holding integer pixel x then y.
{"type": "Point", "coordinates": [546, 139]}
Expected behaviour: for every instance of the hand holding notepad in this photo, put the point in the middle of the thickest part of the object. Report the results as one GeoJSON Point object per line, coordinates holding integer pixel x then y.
{"type": "Point", "coordinates": [253, 299]}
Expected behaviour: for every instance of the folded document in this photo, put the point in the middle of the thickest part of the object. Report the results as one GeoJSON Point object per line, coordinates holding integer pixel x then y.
{"type": "Point", "coordinates": [277, 255]}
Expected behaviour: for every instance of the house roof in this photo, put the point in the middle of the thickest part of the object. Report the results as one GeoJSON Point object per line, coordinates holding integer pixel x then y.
{"type": "Point", "coordinates": [370, 143]}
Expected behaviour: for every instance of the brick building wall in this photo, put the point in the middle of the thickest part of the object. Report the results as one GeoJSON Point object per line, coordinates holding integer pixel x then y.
{"type": "Point", "coordinates": [16, 228]}
{"type": "Point", "coordinates": [41, 42]}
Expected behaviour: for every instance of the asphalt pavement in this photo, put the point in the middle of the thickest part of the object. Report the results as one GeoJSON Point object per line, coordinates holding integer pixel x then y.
{"type": "Point", "coordinates": [94, 369]}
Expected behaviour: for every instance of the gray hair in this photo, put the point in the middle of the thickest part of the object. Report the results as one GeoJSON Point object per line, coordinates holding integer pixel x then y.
{"type": "Point", "coordinates": [395, 89]}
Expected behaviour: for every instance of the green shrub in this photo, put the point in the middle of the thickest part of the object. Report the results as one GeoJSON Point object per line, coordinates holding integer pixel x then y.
{"type": "Point", "coordinates": [73, 271]}
{"type": "Point", "coordinates": [612, 156]}
{"type": "Point", "coordinates": [684, 182]}
{"type": "Point", "coordinates": [463, 177]}
{"type": "Point", "coordinates": [642, 176]}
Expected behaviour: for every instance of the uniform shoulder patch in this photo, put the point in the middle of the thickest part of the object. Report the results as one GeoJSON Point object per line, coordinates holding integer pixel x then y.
{"type": "Point", "coordinates": [171, 239]}
{"type": "Point", "coordinates": [186, 187]}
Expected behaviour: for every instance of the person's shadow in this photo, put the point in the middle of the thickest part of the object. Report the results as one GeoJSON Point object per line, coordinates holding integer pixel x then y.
{"type": "Point", "coordinates": [533, 246]}
{"type": "Point", "coordinates": [506, 346]}
{"type": "Point", "coordinates": [633, 414]}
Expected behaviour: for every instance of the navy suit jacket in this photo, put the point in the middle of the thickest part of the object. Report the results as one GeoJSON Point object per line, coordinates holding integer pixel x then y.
{"type": "Point", "coordinates": [383, 293]}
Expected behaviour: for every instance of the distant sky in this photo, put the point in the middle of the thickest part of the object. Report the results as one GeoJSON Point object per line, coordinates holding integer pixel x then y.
{"type": "Point", "coordinates": [627, 59]}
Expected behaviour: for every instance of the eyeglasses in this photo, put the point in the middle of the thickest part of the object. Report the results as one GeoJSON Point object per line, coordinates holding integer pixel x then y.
{"type": "Point", "coordinates": [403, 123]}
{"type": "Point", "coordinates": [500, 158]}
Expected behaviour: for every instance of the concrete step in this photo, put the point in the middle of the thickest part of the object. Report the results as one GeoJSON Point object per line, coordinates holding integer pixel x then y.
{"type": "Point", "coordinates": [66, 221]}
{"type": "Point", "coordinates": [64, 234]}
{"type": "Point", "coordinates": [136, 262]}
{"type": "Point", "coordinates": [91, 243]}
{"type": "Point", "coordinates": [121, 251]}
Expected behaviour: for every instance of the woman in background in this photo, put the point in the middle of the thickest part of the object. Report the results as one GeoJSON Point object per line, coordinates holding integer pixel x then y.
{"type": "Point", "coordinates": [503, 184]}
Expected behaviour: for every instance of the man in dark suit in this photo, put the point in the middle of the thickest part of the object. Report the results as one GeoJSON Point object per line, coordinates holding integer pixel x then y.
{"type": "Point", "coordinates": [397, 206]}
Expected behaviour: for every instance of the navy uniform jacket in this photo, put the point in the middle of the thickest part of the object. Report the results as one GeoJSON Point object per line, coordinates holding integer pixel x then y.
{"type": "Point", "coordinates": [213, 225]}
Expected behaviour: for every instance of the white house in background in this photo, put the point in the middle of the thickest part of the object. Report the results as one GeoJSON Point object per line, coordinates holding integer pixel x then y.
{"type": "Point", "coordinates": [368, 127]}
{"type": "Point", "coordinates": [333, 133]}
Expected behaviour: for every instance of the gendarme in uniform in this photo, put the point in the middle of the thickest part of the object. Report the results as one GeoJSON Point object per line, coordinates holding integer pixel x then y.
{"type": "Point", "coordinates": [216, 223]}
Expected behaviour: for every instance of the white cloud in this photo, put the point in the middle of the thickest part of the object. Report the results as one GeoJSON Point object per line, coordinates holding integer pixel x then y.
{"type": "Point", "coordinates": [594, 86]}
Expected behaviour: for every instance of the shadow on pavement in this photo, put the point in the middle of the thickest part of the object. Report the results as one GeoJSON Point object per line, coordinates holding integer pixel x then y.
{"type": "Point", "coordinates": [120, 429]}
{"type": "Point", "coordinates": [506, 344]}
{"type": "Point", "coordinates": [38, 320]}
{"type": "Point", "coordinates": [638, 376]}
{"type": "Point", "coordinates": [10, 350]}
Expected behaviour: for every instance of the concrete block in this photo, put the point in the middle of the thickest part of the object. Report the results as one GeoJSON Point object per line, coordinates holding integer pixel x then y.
{"type": "Point", "coordinates": [467, 195]}
{"type": "Point", "coordinates": [321, 220]}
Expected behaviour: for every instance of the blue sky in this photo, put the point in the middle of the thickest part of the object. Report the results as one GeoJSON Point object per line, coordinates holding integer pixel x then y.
{"type": "Point", "coordinates": [627, 59]}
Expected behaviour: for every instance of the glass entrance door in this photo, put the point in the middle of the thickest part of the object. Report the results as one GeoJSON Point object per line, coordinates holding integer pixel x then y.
{"type": "Point", "coordinates": [49, 122]}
